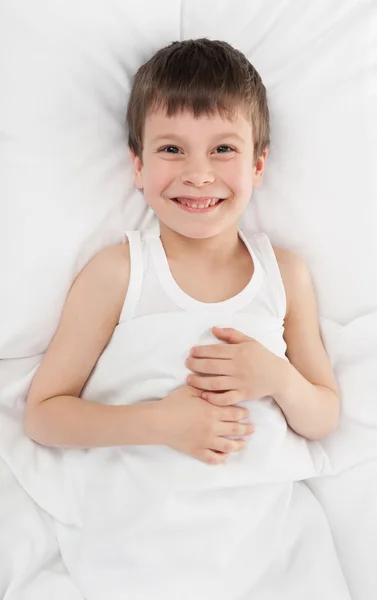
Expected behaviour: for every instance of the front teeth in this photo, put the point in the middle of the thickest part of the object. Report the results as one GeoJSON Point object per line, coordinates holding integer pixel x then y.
{"type": "Point", "coordinates": [193, 204]}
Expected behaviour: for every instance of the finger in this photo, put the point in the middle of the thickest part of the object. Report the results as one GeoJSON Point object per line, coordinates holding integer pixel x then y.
{"type": "Point", "coordinates": [224, 445]}
{"type": "Point", "coordinates": [212, 457]}
{"type": "Point", "coordinates": [230, 335]}
{"type": "Point", "coordinates": [195, 391]}
{"type": "Point", "coordinates": [213, 351]}
{"type": "Point", "coordinates": [209, 366]}
{"type": "Point", "coordinates": [222, 398]}
{"type": "Point", "coordinates": [235, 429]}
{"type": "Point", "coordinates": [221, 383]}
{"type": "Point", "coordinates": [234, 413]}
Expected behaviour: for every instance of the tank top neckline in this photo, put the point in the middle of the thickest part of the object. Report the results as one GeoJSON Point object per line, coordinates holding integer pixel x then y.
{"type": "Point", "coordinates": [186, 302]}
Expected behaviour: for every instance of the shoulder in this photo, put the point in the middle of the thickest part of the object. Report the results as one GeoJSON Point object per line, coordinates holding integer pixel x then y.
{"type": "Point", "coordinates": [290, 264]}
{"type": "Point", "coordinates": [109, 261]}
{"type": "Point", "coordinates": [105, 278]}
{"type": "Point", "coordinates": [295, 275]}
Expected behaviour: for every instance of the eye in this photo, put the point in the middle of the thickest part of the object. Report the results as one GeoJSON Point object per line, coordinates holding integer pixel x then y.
{"type": "Point", "coordinates": [224, 149]}
{"type": "Point", "coordinates": [170, 149]}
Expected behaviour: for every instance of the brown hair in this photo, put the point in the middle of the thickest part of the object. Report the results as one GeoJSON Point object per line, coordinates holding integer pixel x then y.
{"type": "Point", "coordinates": [205, 77]}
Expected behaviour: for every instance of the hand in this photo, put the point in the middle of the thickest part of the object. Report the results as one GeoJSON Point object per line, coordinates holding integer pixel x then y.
{"type": "Point", "coordinates": [243, 369]}
{"type": "Point", "coordinates": [196, 427]}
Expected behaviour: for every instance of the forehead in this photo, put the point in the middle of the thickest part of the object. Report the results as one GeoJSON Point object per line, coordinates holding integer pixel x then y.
{"type": "Point", "coordinates": [185, 125]}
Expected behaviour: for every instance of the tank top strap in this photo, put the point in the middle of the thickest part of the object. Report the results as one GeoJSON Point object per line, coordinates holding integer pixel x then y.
{"type": "Point", "coordinates": [261, 243]}
{"type": "Point", "coordinates": [136, 275]}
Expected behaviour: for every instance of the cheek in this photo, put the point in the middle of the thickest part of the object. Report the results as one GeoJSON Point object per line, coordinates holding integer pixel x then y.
{"type": "Point", "coordinates": [160, 175]}
{"type": "Point", "coordinates": [238, 176]}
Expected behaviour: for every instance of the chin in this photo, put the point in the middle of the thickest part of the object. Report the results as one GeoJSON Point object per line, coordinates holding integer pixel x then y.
{"type": "Point", "coordinates": [198, 231]}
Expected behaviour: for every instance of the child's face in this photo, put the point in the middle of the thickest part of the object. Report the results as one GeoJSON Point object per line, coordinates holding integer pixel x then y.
{"type": "Point", "coordinates": [197, 174]}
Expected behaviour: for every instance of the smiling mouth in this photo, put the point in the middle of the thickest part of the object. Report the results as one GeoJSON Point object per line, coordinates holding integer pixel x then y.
{"type": "Point", "coordinates": [203, 204]}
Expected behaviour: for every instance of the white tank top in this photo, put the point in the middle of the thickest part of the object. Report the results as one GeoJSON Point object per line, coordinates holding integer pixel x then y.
{"type": "Point", "coordinates": [153, 290]}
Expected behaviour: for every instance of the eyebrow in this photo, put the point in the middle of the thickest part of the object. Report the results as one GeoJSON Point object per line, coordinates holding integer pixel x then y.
{"type": "Point", "coordinates": [220, 136]}
{"type": "Point", "coordinates": [165, 136]}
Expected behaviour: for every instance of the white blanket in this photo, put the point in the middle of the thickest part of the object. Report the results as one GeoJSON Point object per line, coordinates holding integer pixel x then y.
{"type": "Point", "coordinates": [31, 564]}
{"type": "Point", "coordinates": [350, 503]}
{"type": "Point", "coordinates": [52, 479]}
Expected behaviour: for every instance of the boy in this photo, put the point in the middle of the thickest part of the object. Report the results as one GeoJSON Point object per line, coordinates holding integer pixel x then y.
{"type": "Point", "coordinates": [169, 385]}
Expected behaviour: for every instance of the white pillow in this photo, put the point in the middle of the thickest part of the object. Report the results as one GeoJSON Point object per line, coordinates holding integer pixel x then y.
{"type": "Point", "coordinates": [66, 181]}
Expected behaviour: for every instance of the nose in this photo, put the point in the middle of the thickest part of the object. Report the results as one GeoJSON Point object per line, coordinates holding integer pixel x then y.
{"type": "Point", "coordinates": [197, 172]}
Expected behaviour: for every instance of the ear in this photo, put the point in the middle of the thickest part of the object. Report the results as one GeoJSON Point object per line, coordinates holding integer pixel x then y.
{"type": "Point", "coordinates": [138, 170]}
{"type": "Point", "coordinates": [258, 168]}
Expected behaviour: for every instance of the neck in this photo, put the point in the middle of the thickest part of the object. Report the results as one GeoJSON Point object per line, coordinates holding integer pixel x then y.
{"type": "Point", "coordinates": [220, 247]}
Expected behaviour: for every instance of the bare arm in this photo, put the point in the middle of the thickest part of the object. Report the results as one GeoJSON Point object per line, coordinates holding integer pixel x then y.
{"type": "Point", "coordinates": [55, 415]}
{"type": "Point", "coordinates": [308, 393]}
